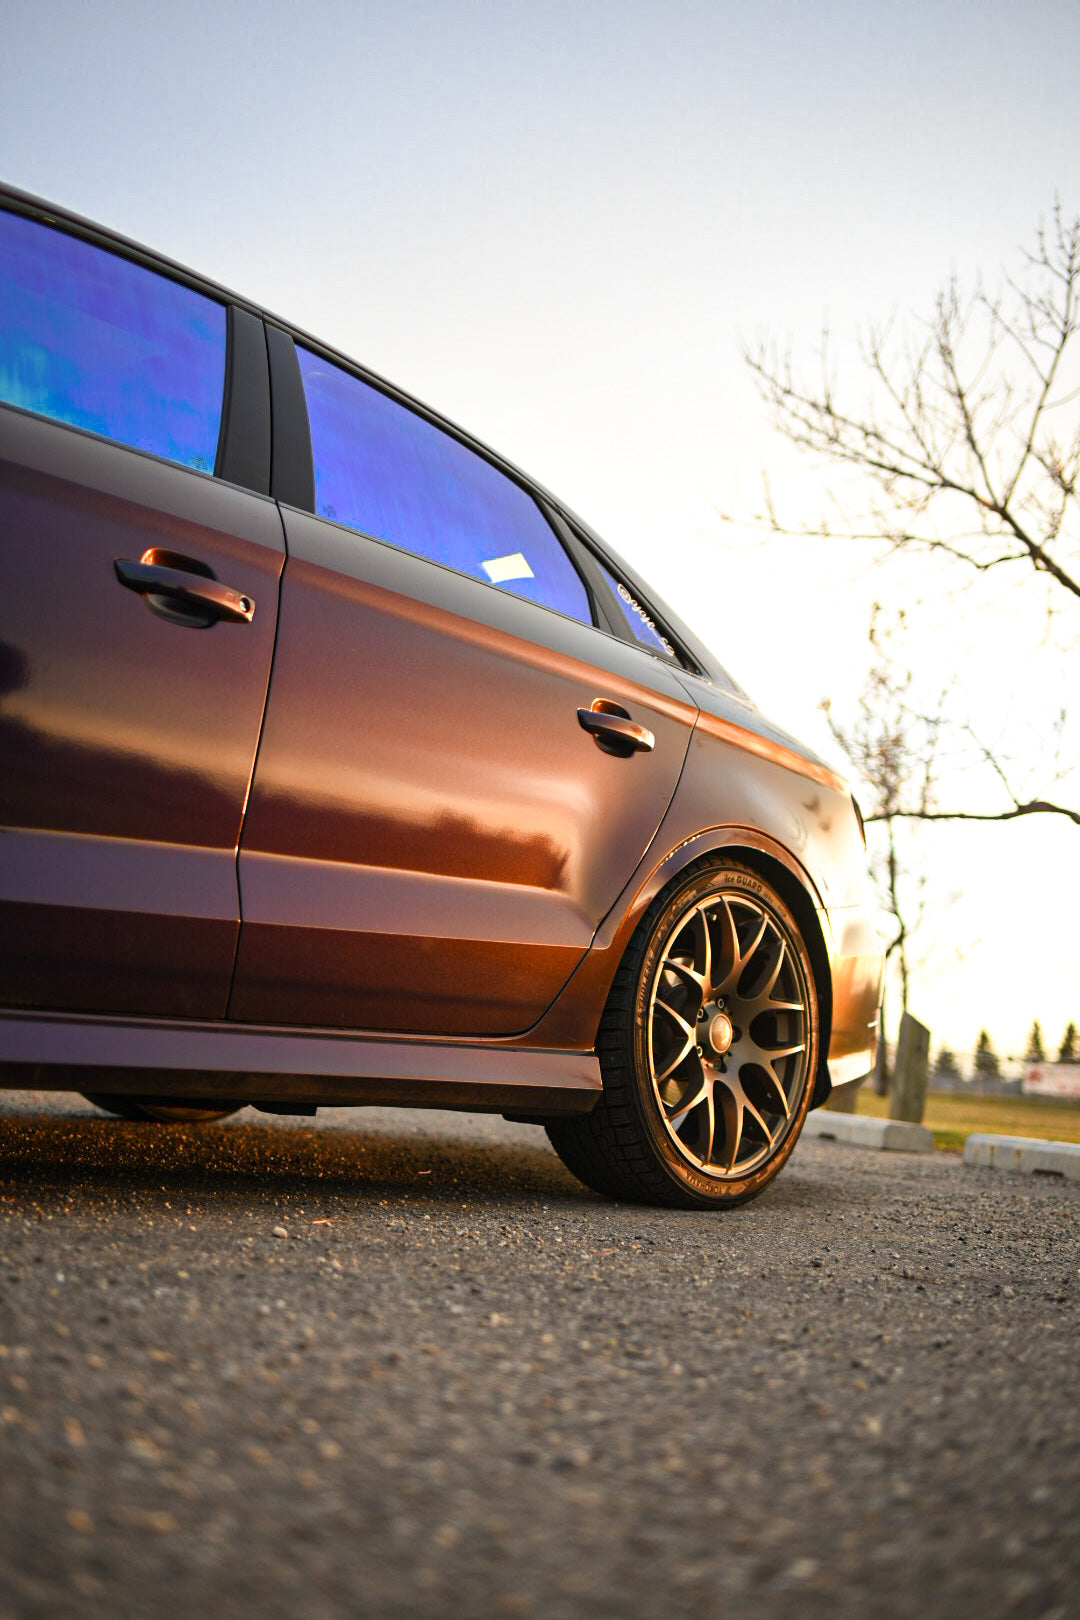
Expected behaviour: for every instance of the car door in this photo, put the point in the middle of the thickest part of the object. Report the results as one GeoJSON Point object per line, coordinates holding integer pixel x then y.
{"type": "Point", "coordinates": [138, 598]}
{"type": "Point", "coordinates": [433, 835]}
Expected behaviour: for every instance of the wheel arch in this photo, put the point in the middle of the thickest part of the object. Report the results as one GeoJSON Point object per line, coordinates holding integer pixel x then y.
{"type": "Point", "coordinates": [778, 867]}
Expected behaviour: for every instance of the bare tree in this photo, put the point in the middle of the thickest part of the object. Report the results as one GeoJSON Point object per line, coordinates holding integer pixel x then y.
{"type": "Point", "coordinates": [894, 749]}
{"type": "Point", "coordinates": [970, 439]}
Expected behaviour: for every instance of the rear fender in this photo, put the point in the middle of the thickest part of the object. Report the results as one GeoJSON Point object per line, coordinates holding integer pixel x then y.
{"type": "Point", "coordinates": [574, 1018]}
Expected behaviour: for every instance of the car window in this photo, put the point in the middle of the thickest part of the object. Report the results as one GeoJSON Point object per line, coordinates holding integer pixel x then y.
{"type": "Point", "coordinates": [637, 616]}
{"type": "Point", "coordinates": [383, 469]}
{"type": "Point", "coordinates": [101, 343]}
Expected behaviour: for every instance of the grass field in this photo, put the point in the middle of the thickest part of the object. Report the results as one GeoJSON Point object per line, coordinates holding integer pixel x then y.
{"type": "Point", "coordinates": [953, 1118]}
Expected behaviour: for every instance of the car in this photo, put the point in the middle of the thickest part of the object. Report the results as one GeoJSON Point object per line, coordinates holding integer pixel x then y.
{"type": "Point", "coordinates": [340, 763]}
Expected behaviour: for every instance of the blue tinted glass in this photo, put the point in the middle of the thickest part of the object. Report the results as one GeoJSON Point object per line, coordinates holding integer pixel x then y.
{"type": "Point", "coordinates": [96, 341]}
{"type": "Point", "coordinates": [382, 469]}
{"type": "Point", "coordinates": [637, 616]}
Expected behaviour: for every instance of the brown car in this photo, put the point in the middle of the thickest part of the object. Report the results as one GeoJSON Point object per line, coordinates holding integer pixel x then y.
{"type": "Point", "coordinates": [339, 763]}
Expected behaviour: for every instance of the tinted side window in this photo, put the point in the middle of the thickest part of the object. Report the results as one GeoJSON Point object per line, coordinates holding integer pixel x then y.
{"type": "Point", "coordinates": [637, 616]}
{"type": "Point", "coordinates": [93, 340]}
{"type": "Point", "coordinates": [383, 469]}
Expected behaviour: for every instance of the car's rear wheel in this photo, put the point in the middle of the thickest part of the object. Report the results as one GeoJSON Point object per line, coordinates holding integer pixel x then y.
{"type": "Point", "coordinates": [171, 1113]}
{"type": "Point", "coordinates": [708, 1048]}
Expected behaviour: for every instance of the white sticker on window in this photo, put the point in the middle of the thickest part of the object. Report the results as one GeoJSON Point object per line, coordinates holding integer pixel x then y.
{"type": "Point", "coordinates": [500, 569]}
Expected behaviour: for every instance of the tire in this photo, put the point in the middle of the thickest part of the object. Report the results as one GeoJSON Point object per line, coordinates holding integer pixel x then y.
{"type": "Point", "coordinates": [144, 1108]}
{"type": "Point", "coordinates": [708, 1049]}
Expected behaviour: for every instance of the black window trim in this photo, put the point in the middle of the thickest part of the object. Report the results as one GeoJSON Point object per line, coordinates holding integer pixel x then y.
{"type": "Point", "coordinates": [243, 456]}
{"type": "Point", "coordinates": [292, 477]}
{"type": "Point", "coordinates": [603, 616]}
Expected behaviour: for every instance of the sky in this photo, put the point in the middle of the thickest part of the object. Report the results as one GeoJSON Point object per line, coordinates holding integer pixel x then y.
{"type": "Point", "coordinates": [560, 224]}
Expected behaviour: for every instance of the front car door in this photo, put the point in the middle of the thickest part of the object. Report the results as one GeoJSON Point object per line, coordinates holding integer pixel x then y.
{"type": "Point", "coordinates": [130, 704]}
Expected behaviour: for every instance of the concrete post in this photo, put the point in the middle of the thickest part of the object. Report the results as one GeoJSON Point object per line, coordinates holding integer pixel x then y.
{"type": "Point", "coordinates": [843, 1099]}
{"type": "Point", "coordinates": [908, 1097]}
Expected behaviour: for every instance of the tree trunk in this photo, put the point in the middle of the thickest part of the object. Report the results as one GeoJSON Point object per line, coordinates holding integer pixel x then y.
{"type": "Point", "coordinates": [881, 1061]}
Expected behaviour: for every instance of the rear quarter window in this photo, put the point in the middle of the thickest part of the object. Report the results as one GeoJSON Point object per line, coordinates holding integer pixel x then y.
{"type": "Point", "coordinates": [101, 343]}
{"type": "Point", "coordinates": [640, 621]}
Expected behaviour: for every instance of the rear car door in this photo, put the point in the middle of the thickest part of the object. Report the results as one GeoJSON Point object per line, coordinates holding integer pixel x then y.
{"type": "Point", "coordinates": [433, 835]}
{"type": "Point", "coordinates": [138, 598]}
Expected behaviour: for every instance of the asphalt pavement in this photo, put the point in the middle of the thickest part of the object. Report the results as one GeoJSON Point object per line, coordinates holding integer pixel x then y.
{"type": "Point", "coordinates": [400, 1364]}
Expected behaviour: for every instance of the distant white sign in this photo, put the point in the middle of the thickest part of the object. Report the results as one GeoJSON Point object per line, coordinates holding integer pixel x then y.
{"type": "Point", "coordinates": [1052, 1080]}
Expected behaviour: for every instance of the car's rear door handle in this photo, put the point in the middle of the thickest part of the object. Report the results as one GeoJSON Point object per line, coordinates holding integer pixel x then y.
{"type": "Point", "coordinates": [208, 597]}
{"type": "Point", "coordinates": [614, 730]}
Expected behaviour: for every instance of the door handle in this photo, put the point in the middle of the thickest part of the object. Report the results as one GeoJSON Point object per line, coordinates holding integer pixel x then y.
{"type": "Point", "coordinates": [614, 731]}
{"type": "Point", "coordinates": [161, 586]}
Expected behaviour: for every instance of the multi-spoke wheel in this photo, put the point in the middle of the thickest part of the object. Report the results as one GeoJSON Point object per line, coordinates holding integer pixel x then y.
{"type": "Point", "coordinates": [708, 1048]}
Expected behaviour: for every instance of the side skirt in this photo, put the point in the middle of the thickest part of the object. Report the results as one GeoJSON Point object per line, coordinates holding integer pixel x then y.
{"type": "Point", "coordinates": [251, 1063]}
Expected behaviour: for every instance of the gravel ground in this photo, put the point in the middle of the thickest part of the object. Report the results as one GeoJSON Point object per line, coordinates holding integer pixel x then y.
{"type": "Point", "coordinates": [400, 1364]}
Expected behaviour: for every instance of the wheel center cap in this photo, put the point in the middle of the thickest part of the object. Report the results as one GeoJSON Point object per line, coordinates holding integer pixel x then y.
{"type": "Point", "coordinates": [720, 1033]}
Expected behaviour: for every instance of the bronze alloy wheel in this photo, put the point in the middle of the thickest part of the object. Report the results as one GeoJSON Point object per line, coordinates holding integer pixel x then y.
{"type": "Point", "coordinates": [708, 1048]}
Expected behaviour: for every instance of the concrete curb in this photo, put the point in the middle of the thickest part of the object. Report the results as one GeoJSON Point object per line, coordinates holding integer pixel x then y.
{"type": "Point", "coordinates": [1026, 1154]}
{"type": "Point", "coordinates": [886, 1135]}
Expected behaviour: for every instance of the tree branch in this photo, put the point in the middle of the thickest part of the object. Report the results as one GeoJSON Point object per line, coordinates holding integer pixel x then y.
{"type": "Point", "coordinates": [961, 416]}
{"type": "Point", "coordinates": [1034, 807]}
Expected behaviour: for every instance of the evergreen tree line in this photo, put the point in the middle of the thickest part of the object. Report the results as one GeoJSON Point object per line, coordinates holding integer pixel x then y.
{"type": "Point", "coordinates": [988, 1063]}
